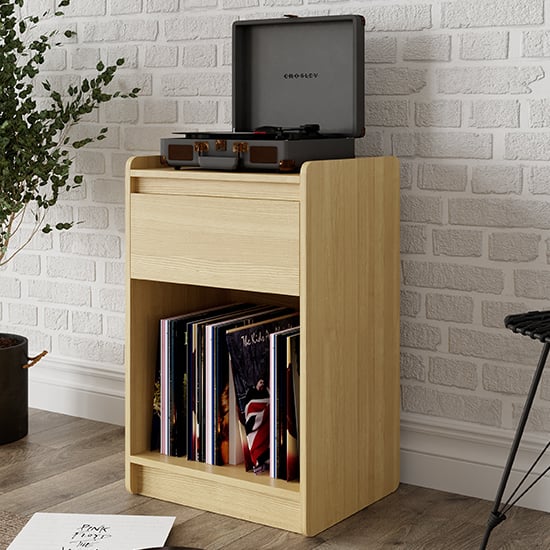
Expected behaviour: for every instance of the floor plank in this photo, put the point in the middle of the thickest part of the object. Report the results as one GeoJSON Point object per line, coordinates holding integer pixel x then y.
{"type": "Point", "coordinates": [68, 464]}
{"type": "Point", "coordinates": [27, 462]}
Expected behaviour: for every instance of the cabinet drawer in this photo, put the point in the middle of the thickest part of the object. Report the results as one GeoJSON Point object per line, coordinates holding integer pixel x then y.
{"type": "Point", "coordinates": [246, 244]}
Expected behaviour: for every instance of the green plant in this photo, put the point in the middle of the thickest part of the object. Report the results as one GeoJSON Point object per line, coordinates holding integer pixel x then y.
{"type": "Point", "coordinates": [35, 143]}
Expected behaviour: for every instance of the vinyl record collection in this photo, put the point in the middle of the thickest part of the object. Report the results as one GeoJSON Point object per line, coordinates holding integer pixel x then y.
{"type": "Point", "coordinates": [227, 388]}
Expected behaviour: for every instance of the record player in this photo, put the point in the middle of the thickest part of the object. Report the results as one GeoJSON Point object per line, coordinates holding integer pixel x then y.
{"type": "Point", "coordinates": [298, 95]}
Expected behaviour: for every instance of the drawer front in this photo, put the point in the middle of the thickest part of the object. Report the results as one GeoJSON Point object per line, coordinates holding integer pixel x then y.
{"type": "Point", "coordinates": [246, 244]}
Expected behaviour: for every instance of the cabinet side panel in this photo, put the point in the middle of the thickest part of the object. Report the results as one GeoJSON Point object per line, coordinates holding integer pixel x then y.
{"type": "Point", "coordinates": [349, 292]}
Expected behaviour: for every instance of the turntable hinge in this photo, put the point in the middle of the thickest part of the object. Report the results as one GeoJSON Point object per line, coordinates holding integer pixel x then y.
{"type": "Point", "coordinates": [201, 147]}
{"type": "Point", "coordinates": [287, 165]}
{"type": "Point", "coordinates": [240, 147]}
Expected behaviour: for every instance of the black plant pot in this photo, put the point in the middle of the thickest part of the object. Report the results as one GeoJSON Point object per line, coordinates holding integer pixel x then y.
{"type": "Point", "coordinates": [14, 389]}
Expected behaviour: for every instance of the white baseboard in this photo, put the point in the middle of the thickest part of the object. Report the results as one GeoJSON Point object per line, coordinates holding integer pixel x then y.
{"type": "Point", "coordinates": [436, 453]}
{"type": "Point", "coordinates": [77, 389]}
{"type": "Point", "coordinates": [469, 460]}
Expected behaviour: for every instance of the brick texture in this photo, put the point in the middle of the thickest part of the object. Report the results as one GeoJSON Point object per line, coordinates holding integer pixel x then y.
{"type": "Point", "coordinates": [468, 408]}
{"type": "Point", "coordinates": [457, 242]}
{"type": "Point", "coordinates": [465, 13]}
{"type": "Point", "coordinates": [453, 372]}
{"type": "Point", "coordinates": [484, 45]}
{"type": "Point", "coordinates": [413, 367]}
{"type": "Point", "coordinates": [443, 307]}
{"type": "Point", "coordinates": [495, 114]}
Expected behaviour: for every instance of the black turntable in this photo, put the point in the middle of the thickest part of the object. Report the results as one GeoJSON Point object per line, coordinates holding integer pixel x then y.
{"type": "Point", "coordinates": [298, 95]}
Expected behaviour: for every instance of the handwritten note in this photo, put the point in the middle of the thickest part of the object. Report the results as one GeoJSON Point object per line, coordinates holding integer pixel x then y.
{"type": "Point", "coordinates": [92, 532]}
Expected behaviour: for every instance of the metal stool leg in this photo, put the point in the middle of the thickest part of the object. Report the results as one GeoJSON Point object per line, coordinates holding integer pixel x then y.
{"type": "Point", "coordinates": [496, 517]}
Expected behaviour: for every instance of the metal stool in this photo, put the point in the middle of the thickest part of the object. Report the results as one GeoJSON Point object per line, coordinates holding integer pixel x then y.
{"type": "Point", "coordinates": [535, 324]}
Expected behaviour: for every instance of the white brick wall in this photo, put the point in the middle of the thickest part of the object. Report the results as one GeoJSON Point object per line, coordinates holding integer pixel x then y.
{"type": "Point", "coordinates": [457, 89]}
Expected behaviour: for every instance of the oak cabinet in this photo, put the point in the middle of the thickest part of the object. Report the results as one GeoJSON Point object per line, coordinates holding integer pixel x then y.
{"type": "Point", "coordinates": [325, 241]}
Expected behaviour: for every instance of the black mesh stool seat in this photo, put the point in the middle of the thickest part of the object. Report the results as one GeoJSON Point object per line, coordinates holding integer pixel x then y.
{"type": "Point", "coordinates": [536, 325]}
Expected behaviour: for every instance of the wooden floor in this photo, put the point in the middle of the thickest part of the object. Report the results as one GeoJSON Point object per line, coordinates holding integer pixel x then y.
{"type": "Point", "coordinates": [68, 464]}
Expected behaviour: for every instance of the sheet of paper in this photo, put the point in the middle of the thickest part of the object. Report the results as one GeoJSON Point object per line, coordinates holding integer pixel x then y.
{"type": "Point", "coordinates": [92, 532]}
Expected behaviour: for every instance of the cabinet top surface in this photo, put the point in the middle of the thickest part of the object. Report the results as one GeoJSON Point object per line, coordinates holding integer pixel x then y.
{"type": "Point", "coordinates": [147, 175]}
{"type": "Point", "coordinates": [151, 167]}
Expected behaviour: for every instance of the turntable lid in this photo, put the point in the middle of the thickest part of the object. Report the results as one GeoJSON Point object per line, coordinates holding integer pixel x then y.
{"type": "Point", "coordinates": [294, 71]}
